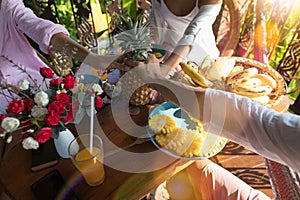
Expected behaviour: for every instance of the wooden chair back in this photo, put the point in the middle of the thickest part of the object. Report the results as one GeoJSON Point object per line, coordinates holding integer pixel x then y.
{"type": "Point", "coordinates": [227, 27]}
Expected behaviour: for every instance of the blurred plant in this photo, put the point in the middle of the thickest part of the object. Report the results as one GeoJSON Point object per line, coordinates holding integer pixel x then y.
{"type": "Point", "coordinates": [280, 20]}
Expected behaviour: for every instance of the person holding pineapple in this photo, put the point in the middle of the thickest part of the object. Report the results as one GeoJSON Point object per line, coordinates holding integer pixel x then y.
{"type": "Point", "coordinates": [184, 28]}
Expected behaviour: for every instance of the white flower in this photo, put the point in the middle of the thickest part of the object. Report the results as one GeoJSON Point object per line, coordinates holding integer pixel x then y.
{"type": "Point", "coordinates": [30, 131]}
{"type": "Point", "coordinates": [30, 143]}
{"type": "Point", "coordinates": [23, 84]}
{"type": "Point", "coordinates": [10, 124]}
{"type": "Point", "coordinates": [41, 98]}
{"type": "Point", "coordinates": [38, 111]}
{"type": "Point", "coordinates": [97, 89]}
{"type": "Point", "coordinates": [9, 139]}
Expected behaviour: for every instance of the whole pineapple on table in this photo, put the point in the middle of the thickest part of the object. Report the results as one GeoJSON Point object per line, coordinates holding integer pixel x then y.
{"type": "Point", "coordinates": [133, 37]}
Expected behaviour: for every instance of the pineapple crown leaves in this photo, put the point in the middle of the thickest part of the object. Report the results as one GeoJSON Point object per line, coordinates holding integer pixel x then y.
{"type": "Point", "coordinates": [134, 37]}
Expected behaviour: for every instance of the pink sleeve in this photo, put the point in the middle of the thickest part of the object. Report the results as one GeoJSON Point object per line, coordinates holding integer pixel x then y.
{"type": "Point", "coordinates": [38, 29]}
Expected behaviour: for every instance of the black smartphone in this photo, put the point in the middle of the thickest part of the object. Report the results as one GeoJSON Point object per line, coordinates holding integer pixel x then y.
{"type": "Point", "coordinates": [53, 186]}
{"type": "Point", "coordinates": [45, 156]}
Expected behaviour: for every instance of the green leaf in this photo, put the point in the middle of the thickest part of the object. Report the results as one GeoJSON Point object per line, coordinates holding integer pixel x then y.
{"type": "Point", "coordinates": [51, 93]}
{"type": "Point", "coordinates": [57, 129]}
{"type": "Point", "coordinates": [100, 33]}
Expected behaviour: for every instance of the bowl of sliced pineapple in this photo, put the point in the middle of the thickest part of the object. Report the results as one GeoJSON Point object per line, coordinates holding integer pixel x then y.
{"type": "Point", "coordinates": [175, 132]}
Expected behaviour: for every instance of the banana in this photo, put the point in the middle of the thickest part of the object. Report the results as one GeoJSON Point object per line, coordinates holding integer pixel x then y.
{"type": "Point", "coordinates": [235, 71]}
{"type": "Point", "coordinates": [253, 82]}
{"type": "Point", "coordinates": [243, 75]}
{"type": "Point", "coordinates": [251, 91]}
{"type": "Point", "coordinates": [237, 68]}
{"type": "Point", "coordinates": [266, 80]}
{"type": "Point", "coordinates": [260, 89]}
{"type": "Point", "coordinates": [186, 80]}
{"type": "Point", "coordinates": [195, 76]}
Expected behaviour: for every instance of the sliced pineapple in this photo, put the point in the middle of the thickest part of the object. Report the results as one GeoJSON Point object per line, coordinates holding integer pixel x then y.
{"type": "Point", "coordinates": [161, 123]}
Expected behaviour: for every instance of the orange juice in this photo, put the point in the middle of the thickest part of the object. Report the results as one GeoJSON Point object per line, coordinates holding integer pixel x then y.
{"type": "Point", "coordinates": [90, 164]}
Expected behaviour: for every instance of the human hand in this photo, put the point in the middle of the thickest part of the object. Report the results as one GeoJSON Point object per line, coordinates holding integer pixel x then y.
{"type": "Point", "coordinates": [151, 70]}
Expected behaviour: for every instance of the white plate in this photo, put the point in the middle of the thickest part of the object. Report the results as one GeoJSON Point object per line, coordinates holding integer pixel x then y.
{"type": "Point", "coordinates": [212, 145]}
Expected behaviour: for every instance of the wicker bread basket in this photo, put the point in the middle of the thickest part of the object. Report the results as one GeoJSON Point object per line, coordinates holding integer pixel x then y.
{"type": "Point", "coordinates": [274, 98]}
{"type": "Point", "coordinates": [278, 100]}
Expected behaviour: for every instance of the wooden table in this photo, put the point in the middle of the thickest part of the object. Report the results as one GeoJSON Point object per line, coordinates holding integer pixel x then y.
{"type": "Point", "coordinates": [16, 176]}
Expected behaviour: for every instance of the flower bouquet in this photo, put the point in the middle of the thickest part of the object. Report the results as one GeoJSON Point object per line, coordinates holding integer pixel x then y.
{"type": "Point", "coordinates": [40, 112]}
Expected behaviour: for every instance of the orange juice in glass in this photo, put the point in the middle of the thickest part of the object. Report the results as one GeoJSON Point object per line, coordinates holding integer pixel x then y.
{"type": "Point", "coordinates": [87, 155]}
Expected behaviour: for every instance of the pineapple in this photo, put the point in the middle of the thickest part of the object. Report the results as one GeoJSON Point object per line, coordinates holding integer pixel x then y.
{"type": "Point", "coordinates": [134, 40]}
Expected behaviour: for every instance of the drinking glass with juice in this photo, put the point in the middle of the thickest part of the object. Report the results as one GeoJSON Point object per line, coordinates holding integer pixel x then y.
{"type": "Point", "coordinates": [87, 156]}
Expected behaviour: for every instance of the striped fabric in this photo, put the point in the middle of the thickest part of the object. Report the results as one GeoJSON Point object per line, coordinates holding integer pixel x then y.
{"type": "Point", "coordinates": [285, 182]}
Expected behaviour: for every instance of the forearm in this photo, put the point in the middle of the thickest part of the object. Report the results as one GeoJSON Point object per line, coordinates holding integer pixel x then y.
{"type": "Point", "coordinates": [64, 44]}
{"type": "Point", "coordinates": [262, 130]}
{"type": "Point", "coordinates": [188, 98]}
{"type": "Point", "coordinates": [177, 56]}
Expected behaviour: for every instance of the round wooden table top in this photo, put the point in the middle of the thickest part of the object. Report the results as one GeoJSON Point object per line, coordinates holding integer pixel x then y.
{"type": "Point", "coordinates": [17, 177]}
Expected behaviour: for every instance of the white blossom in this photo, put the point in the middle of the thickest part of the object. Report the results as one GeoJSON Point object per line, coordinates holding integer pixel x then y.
{"type": "Point", "coordinates": [10, 124]}
{"type": "Point", "coordinates": [30, 143]}
{"type": "Point", "coordinates": [38, 111]}
{"type": "Point", "coordinates": [23, 84]}
{"type": "Point", "coordinates": [9, 139]}
{"type": "Point", "coordinates": [30, 130]}
{"type": "Point", "coordinates": [41, 98]}
{"type": "Point", "coordinates": [97, 89]}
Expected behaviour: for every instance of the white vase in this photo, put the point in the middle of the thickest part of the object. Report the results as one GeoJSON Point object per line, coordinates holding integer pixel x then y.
{"type": "Point", "coordinates": [62, 142]}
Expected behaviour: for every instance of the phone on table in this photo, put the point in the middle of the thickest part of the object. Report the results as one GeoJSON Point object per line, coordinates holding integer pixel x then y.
{"type": "Point", "coordinates": [53, 186]}
{"type": "Point", "coordinates": [45, 156]}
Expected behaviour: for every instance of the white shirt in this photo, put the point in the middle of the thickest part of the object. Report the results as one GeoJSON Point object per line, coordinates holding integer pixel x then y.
{"type": "Point", "coordinates": [273, 135]}
{"type": "Point", "coordinates": [194, 29]}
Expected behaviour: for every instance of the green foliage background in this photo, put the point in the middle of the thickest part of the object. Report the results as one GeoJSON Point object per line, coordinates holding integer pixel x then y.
{"type": "Point", "coordinates": [66, 18]}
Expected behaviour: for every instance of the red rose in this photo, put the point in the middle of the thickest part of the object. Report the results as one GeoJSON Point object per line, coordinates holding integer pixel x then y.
{"type": "Point", "coordinates": [52, 119]}
{"type": "Point", "coordinates": [63, 98]}
{"type": "Point", "coordinates": [69, 117]}
{"type": "Point", "coordinates": [46, 72]}
{"type": "Point", "coordinates": [15, 107]}
{"type": "Point", "coordinates": [43, 135]}
{"type": "Point", "coordinates": [98, 102]}
{"type": "Point", "coordinates": [56, 82]}
{"type": "Point", "coordinates": [56, 107]}
{"type": "Point", "coordinates": [2, 117]}
{"type": "Point", "coordinates": [69, 82]}
{"type": "Point", "coordinates": [28, 104]}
